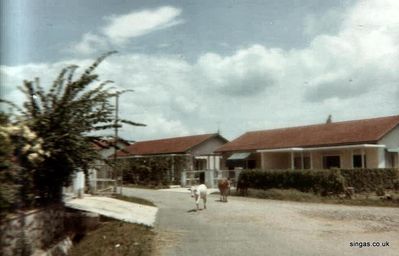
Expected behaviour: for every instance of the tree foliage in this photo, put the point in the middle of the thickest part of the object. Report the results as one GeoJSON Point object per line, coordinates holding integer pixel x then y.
{"type": "Point", "coordinates": [62, 116]}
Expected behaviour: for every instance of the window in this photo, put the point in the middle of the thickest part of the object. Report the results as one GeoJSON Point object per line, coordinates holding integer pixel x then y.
{"type": "Point", "coordinates": [357, 161]}
{"type": "Point", "coordinates": [298, 162]}
{"type": "Point", "coordinates": [330, 162]}
{"type": "Point", "coordinates": [200, 164]}
{"type": "Point", "coordinates": [251, 164]}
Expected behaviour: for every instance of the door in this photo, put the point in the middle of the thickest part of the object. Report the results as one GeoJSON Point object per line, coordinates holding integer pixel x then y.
{"type": "Point", "coordinates": [202, 177]}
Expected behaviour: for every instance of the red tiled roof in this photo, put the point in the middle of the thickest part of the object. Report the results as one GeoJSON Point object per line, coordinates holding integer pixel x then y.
{"type": "Point", "coordinates": [331, 134]}
{"type": "Point", "coordinates": [165, 146]}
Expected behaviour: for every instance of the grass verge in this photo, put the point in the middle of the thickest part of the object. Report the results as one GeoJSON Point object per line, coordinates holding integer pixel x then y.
{"type": "Point", "coordinates": [298, 196]}
{"type": "Point", "coordinates": [116, 238]}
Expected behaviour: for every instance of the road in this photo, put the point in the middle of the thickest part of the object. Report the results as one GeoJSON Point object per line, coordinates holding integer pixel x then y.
{"type": "Point", "coordinates": [247, 226]}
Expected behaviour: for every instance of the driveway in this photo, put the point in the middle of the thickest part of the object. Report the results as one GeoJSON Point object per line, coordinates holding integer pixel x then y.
{"type": "Point", "coordinates": [246, 227]}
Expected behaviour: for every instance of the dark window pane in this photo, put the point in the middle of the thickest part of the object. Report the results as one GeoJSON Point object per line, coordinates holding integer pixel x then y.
{"type": "Point", "coordinates": [357, 161]}
{"type": "Point", "coordinates": [331, 162]}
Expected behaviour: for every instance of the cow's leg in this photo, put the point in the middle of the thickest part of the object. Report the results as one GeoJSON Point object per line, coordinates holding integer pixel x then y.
{"type": "Point", "coordinates": [197, 200]}
{"type": "Point", "coordinates": [204, 202]}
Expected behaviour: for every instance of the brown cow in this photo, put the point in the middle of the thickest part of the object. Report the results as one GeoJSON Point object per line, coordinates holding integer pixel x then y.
{"type": "Point", "coordinates": [224, 188]}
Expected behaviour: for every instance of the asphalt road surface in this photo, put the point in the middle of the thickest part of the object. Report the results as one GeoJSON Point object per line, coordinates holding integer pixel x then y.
{"type": "Point", "coordinates": [246, 227]}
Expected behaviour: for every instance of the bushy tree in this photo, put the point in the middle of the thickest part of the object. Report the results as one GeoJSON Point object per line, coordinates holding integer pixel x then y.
{"type": "Point", "coordinates": [62, 117]}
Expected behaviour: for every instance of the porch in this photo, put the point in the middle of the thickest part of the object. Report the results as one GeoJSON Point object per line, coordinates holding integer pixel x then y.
{"type": "Point", "coordinates": [348, 156]}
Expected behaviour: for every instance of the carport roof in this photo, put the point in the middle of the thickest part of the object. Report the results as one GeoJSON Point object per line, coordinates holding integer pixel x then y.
{"type": "Point", "coordinates": [365, 131]}
{"type": "Point", "coordinates": [238, 156]}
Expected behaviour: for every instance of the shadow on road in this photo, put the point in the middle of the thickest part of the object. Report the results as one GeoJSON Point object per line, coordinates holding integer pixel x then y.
{"type": "Point", "coordinates": [195, 210]}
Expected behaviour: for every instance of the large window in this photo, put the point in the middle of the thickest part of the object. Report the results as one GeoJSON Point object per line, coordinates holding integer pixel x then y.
{"type": "Point", "coordinates": [331, 162]}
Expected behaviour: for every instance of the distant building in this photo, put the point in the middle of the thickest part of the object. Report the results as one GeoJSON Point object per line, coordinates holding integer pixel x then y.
{"type": "Point", "coordinates": [197, 152]}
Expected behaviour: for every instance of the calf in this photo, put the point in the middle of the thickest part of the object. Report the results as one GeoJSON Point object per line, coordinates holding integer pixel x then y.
{"type": "Point", "coordinates": [224, 188]}
{"type": "Point", "coordinates": [242, 187]}
{"type": "Point", "coordinates": [199, 192]}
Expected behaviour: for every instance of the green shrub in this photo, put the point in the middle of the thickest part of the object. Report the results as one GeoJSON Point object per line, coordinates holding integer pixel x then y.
{"type": "Point", "coordinates": [317, 181]}
{"type": "Point", "coordinates": [380, 191]}
{"type": "Point", "coordinates": [322, 182]}
{"type": "Point", "coordinates": [367, 180]}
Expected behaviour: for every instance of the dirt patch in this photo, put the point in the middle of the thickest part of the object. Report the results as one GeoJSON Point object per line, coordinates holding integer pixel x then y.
{"type": "Point", "coordinates": [166, 239]}
{"type": "Point", "coordinates": [116, 238]}
{"type": "Point", "coordinates": [370, 222]}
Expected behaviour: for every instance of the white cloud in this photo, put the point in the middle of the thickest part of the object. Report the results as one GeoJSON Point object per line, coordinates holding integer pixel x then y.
{"type": "Point", "coordinates": [124, 27]}
{"type": "Point", "coordinates": [350, 74]}
{"type": "Point", "coordinates": [247, 72]}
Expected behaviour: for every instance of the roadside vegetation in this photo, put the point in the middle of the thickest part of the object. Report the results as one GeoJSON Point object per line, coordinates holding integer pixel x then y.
{"type": "Point", "coordinates": [373, 187]}
{"type": "Point", "coordinates": [49, 138]}
{"type": "Point", "coordinates": [46, 140]}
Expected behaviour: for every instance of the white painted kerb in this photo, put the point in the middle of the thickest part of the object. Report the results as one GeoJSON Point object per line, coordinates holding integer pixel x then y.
{"type": "Point", "coordinates": [118, 209]}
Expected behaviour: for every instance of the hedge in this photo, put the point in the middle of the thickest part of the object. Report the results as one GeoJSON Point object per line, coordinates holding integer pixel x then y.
{"type": "Point", "coordinates": [364, 180]}
{"type": "Point", "coordinates": [331, 181]}
{"type": "Point", "coordinates": [317, 181]}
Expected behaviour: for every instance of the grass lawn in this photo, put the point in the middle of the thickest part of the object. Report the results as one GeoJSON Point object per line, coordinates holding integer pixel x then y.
{"type": "Point", "coordinates": [366, 199]}
{"type": "Point", "coordinates": [117, 238]}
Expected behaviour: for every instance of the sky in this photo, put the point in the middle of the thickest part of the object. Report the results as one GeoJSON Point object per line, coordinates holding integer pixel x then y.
{"type": "Point", "coordinates": [206, 66]}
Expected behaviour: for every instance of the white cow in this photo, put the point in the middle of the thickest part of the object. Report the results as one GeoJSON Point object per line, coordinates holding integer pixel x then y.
{"type": "Point", "coordinates": [199, 192]}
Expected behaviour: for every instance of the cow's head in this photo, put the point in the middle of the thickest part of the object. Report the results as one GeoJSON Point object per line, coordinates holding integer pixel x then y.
{"type": "Point", "coordinates": [193, 190]}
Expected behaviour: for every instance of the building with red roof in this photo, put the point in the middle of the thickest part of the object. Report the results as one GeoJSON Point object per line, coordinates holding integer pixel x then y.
{"type": "Point", "coordinates": [367, 143]}
{"type": "Point", "coordinates": [196, 150]}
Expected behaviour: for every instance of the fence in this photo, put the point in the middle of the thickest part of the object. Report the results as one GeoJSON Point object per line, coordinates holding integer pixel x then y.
{"type": "Point", "coordinates": [103, 186]}
{"type": "Point", "coordinates": [209, 177]}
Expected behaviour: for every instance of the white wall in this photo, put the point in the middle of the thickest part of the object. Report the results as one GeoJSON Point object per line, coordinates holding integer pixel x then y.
{"type": "Point", "coordinates": [208, 146]}
{"type": "Point", "coordinates": [206, 149]}
{"type": "Point", "coordinates": [276, 160]}
{"type": "Point", "coordinates": [391, 140]}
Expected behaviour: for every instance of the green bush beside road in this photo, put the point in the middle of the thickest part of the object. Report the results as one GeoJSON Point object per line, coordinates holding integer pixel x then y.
{"type": "Point", "coordinates": [323, 182]}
